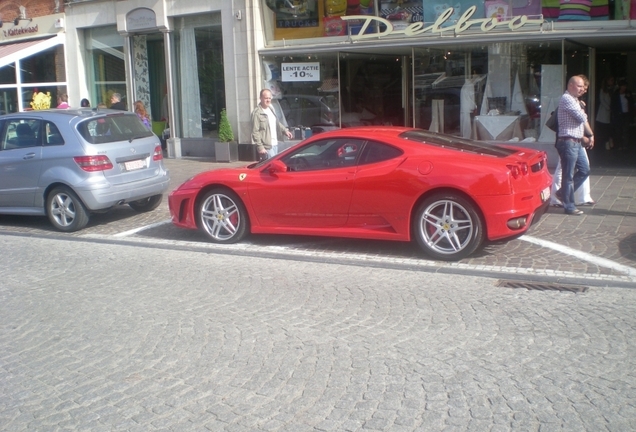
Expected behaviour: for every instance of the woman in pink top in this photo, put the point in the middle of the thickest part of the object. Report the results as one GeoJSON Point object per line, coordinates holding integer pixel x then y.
{"type": "Point", "coordinates": [62, 101]}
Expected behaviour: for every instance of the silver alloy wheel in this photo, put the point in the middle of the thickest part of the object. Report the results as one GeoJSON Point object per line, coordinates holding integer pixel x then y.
{"type": "Point", "coordinates": [446, 227]}
{"type": "Point", "coordinates": [220, 216]}
{"type": "Point", "coordinates": [65, 210]}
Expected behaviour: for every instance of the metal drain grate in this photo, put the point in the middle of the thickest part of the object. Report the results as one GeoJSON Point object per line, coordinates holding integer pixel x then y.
{"type": "Point", "coordinates": [540, 286]}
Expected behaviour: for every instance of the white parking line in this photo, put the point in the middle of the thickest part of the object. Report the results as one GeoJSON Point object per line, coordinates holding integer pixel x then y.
{"type": "Point", "coordinates": [594, 259]}
{"type": "Point", "coordinates": [630, 272]}
{"type": "Point", "coordinates": [143, 228]}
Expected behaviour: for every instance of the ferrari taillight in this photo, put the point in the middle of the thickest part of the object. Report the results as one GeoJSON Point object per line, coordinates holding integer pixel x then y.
{"type": "Point", "coordinates": [518, 170]}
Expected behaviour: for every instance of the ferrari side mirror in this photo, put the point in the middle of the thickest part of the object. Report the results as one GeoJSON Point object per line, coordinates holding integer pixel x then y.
{"type": "Point", "coordinates": [277, 166]}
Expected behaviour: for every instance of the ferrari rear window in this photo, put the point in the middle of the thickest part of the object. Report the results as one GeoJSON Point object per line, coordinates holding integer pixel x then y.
{"type": "Point", "coordinates": [457, 143]}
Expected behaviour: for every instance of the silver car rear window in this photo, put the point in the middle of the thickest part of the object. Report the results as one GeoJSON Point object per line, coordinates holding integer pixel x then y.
{"type": "Point", "coordinates": [113, 128]}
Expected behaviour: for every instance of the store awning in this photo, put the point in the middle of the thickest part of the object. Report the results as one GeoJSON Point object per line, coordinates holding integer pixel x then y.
{"type": "Point", "coordinates": [10, 53]}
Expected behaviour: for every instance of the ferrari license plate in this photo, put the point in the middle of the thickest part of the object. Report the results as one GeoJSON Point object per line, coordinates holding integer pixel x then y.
{"type": "Point", "coordinates": [545, 194]}
{"type": "Point", "coordinates": [135, 165]}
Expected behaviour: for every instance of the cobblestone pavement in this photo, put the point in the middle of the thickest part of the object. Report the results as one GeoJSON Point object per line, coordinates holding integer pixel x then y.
{"type": "Point", "coordinates": [599, 247]}
{"type": "Point", "coordinates": [108, 337]}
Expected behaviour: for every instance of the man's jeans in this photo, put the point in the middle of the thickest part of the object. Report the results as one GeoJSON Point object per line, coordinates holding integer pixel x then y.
{"type": "Point", "coordinates": [575, 168]}
{"type": "Point", "coordinates": [273, 151]}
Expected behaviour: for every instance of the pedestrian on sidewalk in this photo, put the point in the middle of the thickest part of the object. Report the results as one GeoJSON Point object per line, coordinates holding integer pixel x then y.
{"type": "Point", "coordinates": [116, 102]}
{"type": "Point", "coordinates": [575, 167]}
{"type": "Point", "coordinates": [141, 112]}
{"type": "Point", "coordinates": [266, 128]}
{"type": "Point", "coordinates": [62, 101]}
{"type": "Point", "coordinates": [582, 196]}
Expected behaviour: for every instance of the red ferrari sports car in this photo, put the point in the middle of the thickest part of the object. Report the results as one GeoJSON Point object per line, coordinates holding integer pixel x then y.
{"type": "Point", "coordinates": [374, 182]}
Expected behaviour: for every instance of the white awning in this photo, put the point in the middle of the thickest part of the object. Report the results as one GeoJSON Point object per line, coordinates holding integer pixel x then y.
{"type": "Point", "coordinates": [10, 53]}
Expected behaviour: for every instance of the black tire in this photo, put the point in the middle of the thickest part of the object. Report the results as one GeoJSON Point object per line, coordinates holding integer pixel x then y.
{"type": "Point", "coordinates": [65, 210]}
{"type": "Point", "coordinates": [448, 227]}
{"type": "Point", "coordinates": [221, 215]}
{"type": "Point", "coordinates": [146, 204]}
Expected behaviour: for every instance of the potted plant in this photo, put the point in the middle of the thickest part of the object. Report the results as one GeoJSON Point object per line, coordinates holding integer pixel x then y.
{"type": "Point", "coordinates": [226, 150]}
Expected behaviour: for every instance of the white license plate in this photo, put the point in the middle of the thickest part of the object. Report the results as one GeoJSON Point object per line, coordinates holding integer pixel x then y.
{"type": "Point", "coordinates": [135, 165]}
{"type": "Point", "coordinates": [545, 194]}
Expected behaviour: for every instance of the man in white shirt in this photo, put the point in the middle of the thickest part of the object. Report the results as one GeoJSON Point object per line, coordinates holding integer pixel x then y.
{"type": "Point", "coordinates": [266, 128]}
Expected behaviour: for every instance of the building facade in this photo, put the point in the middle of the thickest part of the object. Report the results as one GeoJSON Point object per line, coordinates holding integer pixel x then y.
{"type": "Point", "coordinates": [186, 61]}
{"type": "Point", "coordinates": [490, 70]}
{"type": "Point", "coordinates": [486, 69]}
{"type": "Point", "coordinates": [32, 53]}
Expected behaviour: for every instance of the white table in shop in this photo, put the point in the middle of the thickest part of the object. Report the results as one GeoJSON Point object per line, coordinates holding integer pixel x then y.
{"type": "Point", "coordinates": [497, 128]}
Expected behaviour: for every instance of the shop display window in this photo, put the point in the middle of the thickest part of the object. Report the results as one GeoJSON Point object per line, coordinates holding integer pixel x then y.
{"type": "Point", "coordinates": [106, 65]}
{"type": "Point", "coordinates": [500, 91]}
{"type": "Point", "coordinates": [44, 67]}
{"type": "Point", "coordinates": [301, 19]}
{"type": "Point", "coordinates": [42, 72]}
{"type": "Point", "coordinates": [298, 19]}
{"type": "Point", "coordinates": [8, 100]}
{"type": "Point", "coordinates": [199, 77]}
{"type": "Point", "coordinates": [305, 90]}
{"type": "Point", "coordinates": [7, 74]}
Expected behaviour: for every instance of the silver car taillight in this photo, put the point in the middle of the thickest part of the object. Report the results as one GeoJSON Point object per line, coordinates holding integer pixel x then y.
{"type": "Point", "coordinates": [93, 163]}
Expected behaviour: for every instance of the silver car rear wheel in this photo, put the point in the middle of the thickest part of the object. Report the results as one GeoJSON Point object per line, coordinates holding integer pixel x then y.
{"type": "Point", "coordinates": [222, 216]}
{"type": "Point", "coordinates": [65, 210]}
{"type": "Point", "coordinates": [448, 227]}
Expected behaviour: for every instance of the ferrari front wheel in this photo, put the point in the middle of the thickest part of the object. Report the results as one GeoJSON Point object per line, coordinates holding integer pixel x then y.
{"type": "Point", "coordinates": [448, 227]}
{"type": "Point", "coordinates": [222, 216]}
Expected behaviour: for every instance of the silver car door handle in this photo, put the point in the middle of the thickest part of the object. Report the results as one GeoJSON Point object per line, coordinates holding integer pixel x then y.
{"type": "Point", "coordinates": [29, 156]}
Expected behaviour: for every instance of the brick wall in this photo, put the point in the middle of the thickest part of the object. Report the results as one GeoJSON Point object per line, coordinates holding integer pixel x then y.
{"type": "Point", "coordinates": [10, 9]}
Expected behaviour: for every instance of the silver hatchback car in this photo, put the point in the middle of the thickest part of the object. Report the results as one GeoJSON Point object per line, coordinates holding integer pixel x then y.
{"type": "Point", "coordinates": [66, 164]}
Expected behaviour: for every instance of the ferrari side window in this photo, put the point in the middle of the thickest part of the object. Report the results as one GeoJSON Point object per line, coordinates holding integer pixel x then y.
{"type": "Point", "coordinates": [325, 154]}
{"type": "Point", "coordinates": [378, 152]}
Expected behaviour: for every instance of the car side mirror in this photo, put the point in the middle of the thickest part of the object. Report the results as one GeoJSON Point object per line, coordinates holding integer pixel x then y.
{"type": "Point", "coordinates": [277, 166]}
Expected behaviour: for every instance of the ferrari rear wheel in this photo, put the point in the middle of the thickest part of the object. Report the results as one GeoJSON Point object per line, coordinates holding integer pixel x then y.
{"type": "Point", "coordinates": [448, 227]}
{"type": "Point", "coordinates": [222, 216]}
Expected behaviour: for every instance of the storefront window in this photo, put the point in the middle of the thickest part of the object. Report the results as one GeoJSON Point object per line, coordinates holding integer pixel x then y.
{"type": "Point", "coordinates": [8, 92]}
{"type": "Point", "coordinates": [7, 74]}
{"type": "Point", "coordinates": [41, 72]}
{"type": "Point", "coordinates": [305, 90]}
{"type": "Point", "coordinates": [8, 101]}
{"type": "Point", "coordinates": [106, 64]}
{"type": "Point", "coordinates": [209, 44]}
{"type": "Point", "coordinates": [300, 19]}
{"type": "Point", "coordinates": [29, 92]}
{"type": "Point", "coordinates": [199, 76]}
{"type": "Point", "coordinates": [44, 67]}
{"type": "Point", "coordinates": [500, 91]}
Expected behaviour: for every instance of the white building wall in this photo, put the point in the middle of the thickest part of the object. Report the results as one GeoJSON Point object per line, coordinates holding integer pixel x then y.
{"type": "Point", "coordinates": [242, 38]}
